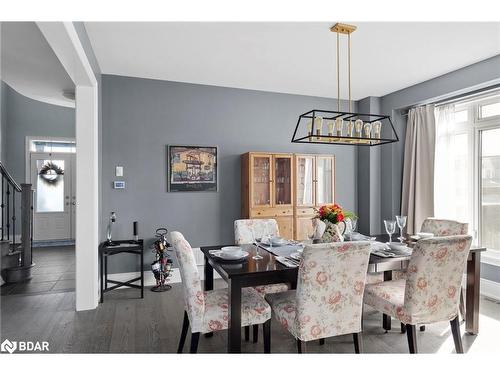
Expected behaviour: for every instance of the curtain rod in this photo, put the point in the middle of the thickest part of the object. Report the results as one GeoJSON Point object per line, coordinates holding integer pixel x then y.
{"type": "Point", "coordinates": [462, 97]}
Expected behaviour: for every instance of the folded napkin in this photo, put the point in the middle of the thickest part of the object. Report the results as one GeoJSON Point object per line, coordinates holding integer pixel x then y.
{"type": "Point", "coordinates": [378, 246]}
{"type": "Point", "coordinates": [286, 262]}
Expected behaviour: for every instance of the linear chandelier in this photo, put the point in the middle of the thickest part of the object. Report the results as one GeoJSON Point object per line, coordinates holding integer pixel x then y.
{"type": "Point", "coordinates": [340, 127]}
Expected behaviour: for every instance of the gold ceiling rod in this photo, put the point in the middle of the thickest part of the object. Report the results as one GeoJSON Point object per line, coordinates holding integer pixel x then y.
{"type": "Point", "coordinates": [343, 28]}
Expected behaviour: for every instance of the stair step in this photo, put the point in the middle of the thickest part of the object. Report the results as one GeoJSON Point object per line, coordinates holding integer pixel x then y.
{"type": "Point", "coordinates": [4, 247]}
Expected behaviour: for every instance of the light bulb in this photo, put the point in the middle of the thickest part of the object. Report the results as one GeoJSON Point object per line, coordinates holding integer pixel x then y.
{"type": "Point", "coordinates": [318, 124]}
{"type": "Point", "coordinates": [358, 125]}
{"type": "Point", "coordinates": [377, 127]}
{"type": "Point", "coordinates": [339, 125]}
{"type": "Point", "coordinates": [368, 129]}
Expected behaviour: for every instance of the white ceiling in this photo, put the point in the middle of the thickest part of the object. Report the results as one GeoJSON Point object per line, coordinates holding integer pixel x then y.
{"type": "Point", "coordinates": [297, 58]}
{"type": "Point", "coordinates": [30, 66]}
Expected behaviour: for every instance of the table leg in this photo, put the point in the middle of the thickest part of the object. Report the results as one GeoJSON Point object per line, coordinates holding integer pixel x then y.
{"type": "Point", "coordinates": [209, 283]}
{"type": "Point", "coordinates": [105, 272]}
{"type": "Point", "coordinates": [386, 319]}
{"type": "Point", "coordinates": [142, 272]}
{"type": "Point", "coordinates": [234, 308]}
{"type": "Point", "coordinates": [472, 294]}
{"type": "Point", "coordinates": [102, 277]}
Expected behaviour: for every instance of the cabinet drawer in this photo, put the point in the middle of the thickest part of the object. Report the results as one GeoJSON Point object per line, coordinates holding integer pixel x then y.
{"type": "Point", "coordinates": [271, 212]}
{"type": "Point", "coordinates": [305, 211]}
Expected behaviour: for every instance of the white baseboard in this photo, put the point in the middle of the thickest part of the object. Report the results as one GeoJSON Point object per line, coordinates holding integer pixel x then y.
{"type": "Point", "coordinates": [487, 288]}
{"type": "Point", "coordinates": [490, 289]}
{"type": "Point", "coordinates": [149, 279]}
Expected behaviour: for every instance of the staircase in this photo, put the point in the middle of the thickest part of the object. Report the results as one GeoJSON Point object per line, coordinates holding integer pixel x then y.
{"type": "Point", "coordinates": [16, 237]}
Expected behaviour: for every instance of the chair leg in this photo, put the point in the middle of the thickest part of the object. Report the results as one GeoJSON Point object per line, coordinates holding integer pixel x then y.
{"type": "Point", "coordinates": [255, 333]}
{"type": "Point", "coordinates": [403, 328]}
{"type": "Point", "coordinates": [411, 332]}
{"type": "Point", "coordinates": [247, 333]}
{"type": "Point", "coordinates": [322, 341]}
{"type": "Point", "coordinates": [358, 342]}
{"type": "Point", "coordinates": [457, 338]}
{"type": "Point", "coordinates": [266, 330]}
{"type": "Point", "coordinates": [461, 306]}
{"type": "Point", "coordinates": [301, 346]}
{"type": "Point", "coordinates": [194, 342]}
{"type": "Point", "coordinates": [185, 326]}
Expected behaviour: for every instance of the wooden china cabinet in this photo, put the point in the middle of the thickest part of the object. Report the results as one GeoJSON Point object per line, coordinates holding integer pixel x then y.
{"type": "Point", "coordinates": [314, 187]}
{"type": "Point", "coordinates": [286, 187]}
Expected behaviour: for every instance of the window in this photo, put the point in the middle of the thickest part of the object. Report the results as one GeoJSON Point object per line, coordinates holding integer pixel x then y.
{"type": "Point", "coordinates": [467, 166]}
{"type": "Point", "coordinates": [54, 146]}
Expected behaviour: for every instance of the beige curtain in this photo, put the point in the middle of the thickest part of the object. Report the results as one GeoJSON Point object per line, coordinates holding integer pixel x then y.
{"type": "Point", "coordinates": [417, 198]}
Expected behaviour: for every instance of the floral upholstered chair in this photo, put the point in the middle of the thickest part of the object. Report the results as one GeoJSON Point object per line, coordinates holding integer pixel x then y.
{"type": "Point", "coordinates": [442, 228]}
{"type": "Point", "coordinates": [329, 296]}
{"type": "Point", "coordinates": [439, 228]}
{"type": "Point", "coordinates": [431, 291]}
{"type": "Point", "coordinates": [207, 311]}
{"type": "Point", "coordinates": [245, 232]}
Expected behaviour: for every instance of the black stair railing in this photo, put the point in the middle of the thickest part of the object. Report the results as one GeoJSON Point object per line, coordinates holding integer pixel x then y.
{"type": "Point", "coordinates": [10, 189]}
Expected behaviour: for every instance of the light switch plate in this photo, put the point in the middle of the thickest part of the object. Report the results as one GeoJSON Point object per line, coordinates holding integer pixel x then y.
{"type": "Point", "coordinates": [119, 171]}
{"type": "Point", "coordinates": [119, 184]}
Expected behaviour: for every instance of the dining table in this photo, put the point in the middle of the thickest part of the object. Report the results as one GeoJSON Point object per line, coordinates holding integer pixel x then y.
{"type": "Point", "coordinates": [268, 270]}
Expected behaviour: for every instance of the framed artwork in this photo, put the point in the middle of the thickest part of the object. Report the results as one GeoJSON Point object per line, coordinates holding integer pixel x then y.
{"type": "Point", "coordinates": [192, 168]}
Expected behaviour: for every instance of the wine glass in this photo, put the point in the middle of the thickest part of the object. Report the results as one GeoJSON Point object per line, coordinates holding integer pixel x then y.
{"type": "Point", "coordinates": [348, 228]}
{"type": "Point", "coordinates": [354, 224]}
{"type": "Point", "coordinates": [390, 228]}
{"type": "Point", "coordinates": [257, 255]}
{"type": "Point", "coordinates": [401, 221]}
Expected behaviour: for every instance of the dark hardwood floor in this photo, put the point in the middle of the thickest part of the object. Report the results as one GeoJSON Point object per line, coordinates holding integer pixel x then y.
{"type": "Point", "coordinates": [54, 271]}
{"type": "Point", "coordinates": [126, 324]}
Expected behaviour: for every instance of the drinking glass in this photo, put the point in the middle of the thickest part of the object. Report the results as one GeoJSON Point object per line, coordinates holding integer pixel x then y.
{"type": "Point", "coordinates": [401, 221]}
{"type": "Point", "coordinates": [354, 224]}
{"type": "Point", "coordinates": [390, 228]}
{"type": "Point", "coordinates": [348, 229]}
{"type": "Point", "coordinates": [257, 255]}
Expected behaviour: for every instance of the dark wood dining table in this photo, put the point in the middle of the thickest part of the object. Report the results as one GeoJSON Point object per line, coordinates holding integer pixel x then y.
{"type": "Point", "coordinates": [268, 270]}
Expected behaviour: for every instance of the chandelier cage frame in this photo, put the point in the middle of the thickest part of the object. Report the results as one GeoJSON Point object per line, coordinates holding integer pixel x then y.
{"type": "Point", "coordinates": [344, 128]}
{"type": "Point", "coordinates": [332, 138]}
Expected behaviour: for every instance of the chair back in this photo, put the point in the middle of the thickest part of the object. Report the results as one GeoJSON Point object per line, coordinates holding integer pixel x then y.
{"type": "Point", "coordinates": [441, 228]}
{"type": "Point", "coordinates": [194, 298]}
{"type": "Point", "coordinates": [434, 279]}
{"type": "Point", "coordinates": [261, 227]}
{"type": "Point", "coordinates": [330, 289]}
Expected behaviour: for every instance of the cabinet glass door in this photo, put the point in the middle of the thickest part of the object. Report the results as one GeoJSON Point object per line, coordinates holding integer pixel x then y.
{"type": "Point", "coordinates": [305, 178]}
{"type": "Point", "coordinates": [324, 180]}
{"type": "Point", "coordinates": [282, 180]}
{"type": "Point", "coordinates": [261, 180]}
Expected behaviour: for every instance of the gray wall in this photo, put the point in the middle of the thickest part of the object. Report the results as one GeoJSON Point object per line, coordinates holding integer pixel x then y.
{"type": "Point", "coordinates": [141, 117]}
{"type": "Point", "coordinates": [28, 117]}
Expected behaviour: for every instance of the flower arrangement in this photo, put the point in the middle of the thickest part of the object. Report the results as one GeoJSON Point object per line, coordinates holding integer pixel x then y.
{"type": "Point", "coordinates": [333, 213]}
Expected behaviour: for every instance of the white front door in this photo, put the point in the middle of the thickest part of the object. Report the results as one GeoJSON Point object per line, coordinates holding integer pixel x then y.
{"type": "Point", "coordinates": [52, 177]}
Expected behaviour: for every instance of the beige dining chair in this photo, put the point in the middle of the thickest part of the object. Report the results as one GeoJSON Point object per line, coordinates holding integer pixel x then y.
{"type": "Point", "coordinates": [207, 311]}
{"type": "Point", "coordinates": [245, 232]}
{"type": "Point", "coordinates": [329, 297]}
{"type": "Point", "coordinates": [431, 290]}
{"type": "Point", "coordinates": [440, 228]}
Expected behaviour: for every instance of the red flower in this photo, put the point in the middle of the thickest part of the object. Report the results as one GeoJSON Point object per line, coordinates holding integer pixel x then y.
{"type": "Point", "coordinates": [340, 217]}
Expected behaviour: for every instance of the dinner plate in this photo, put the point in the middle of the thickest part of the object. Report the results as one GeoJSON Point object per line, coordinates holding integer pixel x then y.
{"type": "Point", "coordinates": [231, 257]}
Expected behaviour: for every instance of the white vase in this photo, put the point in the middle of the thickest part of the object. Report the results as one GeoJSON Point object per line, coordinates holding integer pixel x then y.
{"type": "Point", "coordinates": [332, 233]}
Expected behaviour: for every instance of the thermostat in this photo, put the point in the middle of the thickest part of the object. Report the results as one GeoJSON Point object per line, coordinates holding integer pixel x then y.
{"type": "Point", "coordinates": [119, 184]}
